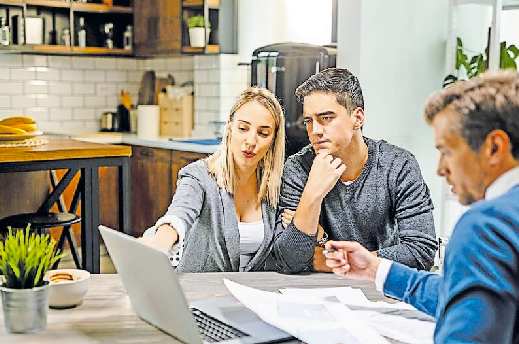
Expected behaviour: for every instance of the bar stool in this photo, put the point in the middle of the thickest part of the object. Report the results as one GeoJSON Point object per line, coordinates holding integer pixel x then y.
{"type": "Point", "coordinates": [39, 222]}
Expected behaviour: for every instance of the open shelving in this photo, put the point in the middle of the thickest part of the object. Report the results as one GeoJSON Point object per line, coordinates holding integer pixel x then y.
{"type": "Point", "coordinates": [59, 15]}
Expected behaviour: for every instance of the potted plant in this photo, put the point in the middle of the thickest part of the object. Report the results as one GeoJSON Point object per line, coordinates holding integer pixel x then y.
{"type": "Point", "coordinates": [24, 260]}
{"type": "Point", "coordinates": [477, 64]}
{"type": "Point", "coordinates": [198, 31]}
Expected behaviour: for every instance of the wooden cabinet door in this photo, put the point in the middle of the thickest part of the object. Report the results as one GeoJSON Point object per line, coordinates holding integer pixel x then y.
{"type": "Point", "coordinates": [157, 27]}
{"type": "Point", "coordinates": [180, 159]}
{"type": "Point", "coordinates": [151, 188]}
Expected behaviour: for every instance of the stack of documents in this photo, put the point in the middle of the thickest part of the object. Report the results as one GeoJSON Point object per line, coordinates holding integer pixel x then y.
{"type": "Point", "coordinates": [336, 315]}
{"type": "Point", "coordinates": [399, 321]}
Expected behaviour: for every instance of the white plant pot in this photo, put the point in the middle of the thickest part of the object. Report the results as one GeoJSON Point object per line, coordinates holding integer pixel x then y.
{"type": "Point", "coordinates": [199, 36]}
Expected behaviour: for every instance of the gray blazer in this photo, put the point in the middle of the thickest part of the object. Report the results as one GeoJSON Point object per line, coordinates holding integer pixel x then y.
{"type": "Point", "coordinates": [212, 242]}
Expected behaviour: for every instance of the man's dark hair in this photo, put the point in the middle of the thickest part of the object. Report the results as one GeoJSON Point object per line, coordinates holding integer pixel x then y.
{"type": "Point", "coordinates": [338, 81]}
{"type": "Point", "coordinates": [482, 104]}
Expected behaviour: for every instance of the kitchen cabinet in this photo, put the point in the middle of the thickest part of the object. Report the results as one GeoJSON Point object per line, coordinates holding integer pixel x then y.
{"type": "Point", "coordinates": [153, 175]}
{"type": "Point", "coordinates": [59, 16]}
{"type": "Point", "coordinates": [157, 27]}
{"type": "Point", "coordinates": [161, 29]}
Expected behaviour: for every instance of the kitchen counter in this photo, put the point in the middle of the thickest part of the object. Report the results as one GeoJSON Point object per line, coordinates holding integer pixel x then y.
{"type": "Point", "coordinates": [159, 142]}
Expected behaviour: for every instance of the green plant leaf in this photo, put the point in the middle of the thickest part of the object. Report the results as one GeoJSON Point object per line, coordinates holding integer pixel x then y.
{"type": "Point", "coordinates": [25, 258]}
{"type": "Point", "coordinates": [449, 80]}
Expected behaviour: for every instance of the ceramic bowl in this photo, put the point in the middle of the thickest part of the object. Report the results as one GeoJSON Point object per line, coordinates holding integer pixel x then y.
{"type": "Point", "coordinates": [67, 287]}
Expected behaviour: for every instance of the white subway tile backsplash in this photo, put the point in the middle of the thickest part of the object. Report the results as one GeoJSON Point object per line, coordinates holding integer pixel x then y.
{"type": "Point", "coordinates": [8, 113]}
{"type": "Point", "coordinates": [214, 76]}
{"type": "Point", "coordinates": [68, 94]}
{"type": "Point", "coordinates": [8, 60]}
{"type": "Point", "coordinates": [106, 89]}
{"type": "Point", "coordinates": [127, 64]}
{"type": "Point", "coordinates": [174, 63]}
{"type": "Point", "coordinates": [105, 63]}
{"type": "Point", "coordinates": [22, 101]}
{"type": "Point", "coordinates": [115, 76]}
{"type": "Point", "coordinates": [48, 101]}
{"type": "Point", "coordinates": [48, 74]}
{"type": "Point", "coordinates": [228, 60]}
{"type": "Point", "coordinates": [83, 88]}
{"type": "Point", "coordinates": [35, 61]}
{"type": "Point", "coordinates": [64, 114]}
{"type": "Point", "coordinates": [23, 74]}
{"type": "Point", "coordinates": [201, 76]}
{"type": "Point", "coordinates": [133, 76]}
{"type": "Point", "coordinates": [94, 101]}
{"type": "Point", "coordinates": [95, 75]}
{"type": "Point", "coordinates": [11, 88]}
{"type": "Point", "coordinates": [201, 103]}
{"type": "Point", "coordinates": [61, 88]}
{"type": "Point", "coordinates": [213, 104]}
{"type": "Point", "coordinates": [72, 75]}
{"type": "Point", "coordinates": [36, 87]}
{"type": "Point", "coordinates": [4, 73]}
{"type": "Point", "coordinates": [59, 62]}
{"type": "Point", "coordinates": [72, 101]}
{"type": "Point", "coordinates": [83, 62]}
{"type": "Point", "coordinates": [5, 102]}
{"type": "Point", "coordinates": [209, 90]}
{"type": "Point", "coordinates": [83, 114]}
{"type": "Point", "coordinates": [38, 113]}
{"type": "Point", "coordinates": [186, 63]}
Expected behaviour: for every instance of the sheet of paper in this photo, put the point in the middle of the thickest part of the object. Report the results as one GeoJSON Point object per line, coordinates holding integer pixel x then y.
{"type": "Point", "coordinates": [399, 321]}
{"type": "Point", "coordinates": [314, 320]}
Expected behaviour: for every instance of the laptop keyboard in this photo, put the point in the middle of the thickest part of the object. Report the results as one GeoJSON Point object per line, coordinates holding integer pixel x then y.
{"type": "Point", "coordinates": [213, 330]}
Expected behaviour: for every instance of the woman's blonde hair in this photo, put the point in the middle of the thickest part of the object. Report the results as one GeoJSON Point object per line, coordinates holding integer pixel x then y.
{"type": "Point", "coordinates": [270, 167]}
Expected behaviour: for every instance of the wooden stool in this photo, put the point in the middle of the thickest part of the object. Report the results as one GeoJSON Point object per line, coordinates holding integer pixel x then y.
{"type": "Point", "coordinates": [41, 221]}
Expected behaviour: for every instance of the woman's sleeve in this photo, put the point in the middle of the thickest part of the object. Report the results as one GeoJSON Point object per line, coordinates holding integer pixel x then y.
{"type": "Point", "coordinates": [183, 210]}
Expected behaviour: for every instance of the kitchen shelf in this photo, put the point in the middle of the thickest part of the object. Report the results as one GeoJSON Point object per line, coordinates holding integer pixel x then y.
{"type": "Point", "coordinates": [51, 49]}
{"type": "Point", "coordinates": [209, 49]}
{"type": "Point", "coordinates": [48, 3]}
{"type": "Point", "coordinates": [12, 3]}
{"type": "Point", "coordinates": [100, 8]}
{"type": "Point", "coordinates": [200, 3]}
{"type": "Point", "coordinates": [101, 51]}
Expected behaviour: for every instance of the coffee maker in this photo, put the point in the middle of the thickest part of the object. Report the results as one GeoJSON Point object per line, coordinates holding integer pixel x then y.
{"type": "Point", "coordinates": [108, 32]}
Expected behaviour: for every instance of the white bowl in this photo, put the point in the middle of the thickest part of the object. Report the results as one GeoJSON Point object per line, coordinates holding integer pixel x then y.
{"type": "Point", "coordinates": [67, 294]}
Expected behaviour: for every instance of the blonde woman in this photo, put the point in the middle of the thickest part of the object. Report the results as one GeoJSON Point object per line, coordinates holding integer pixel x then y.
{"type": "Point", "coordinates": [222, 217]}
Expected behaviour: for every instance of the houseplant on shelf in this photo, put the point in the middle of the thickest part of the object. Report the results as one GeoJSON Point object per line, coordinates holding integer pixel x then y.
{"type": "Point", "coordinates": [24, 260]}
{"type": "Point", "coordinates": [198, 31]}
{"type": "Point", "coordinates": [469, 68]}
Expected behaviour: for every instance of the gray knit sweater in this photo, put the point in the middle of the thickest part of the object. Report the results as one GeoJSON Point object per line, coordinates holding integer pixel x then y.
{"type": "Point", "coordinates": [387, 209]}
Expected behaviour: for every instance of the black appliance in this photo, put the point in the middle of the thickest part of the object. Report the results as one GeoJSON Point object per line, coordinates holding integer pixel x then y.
{"type": "Point", "coordinates": [281, 68]}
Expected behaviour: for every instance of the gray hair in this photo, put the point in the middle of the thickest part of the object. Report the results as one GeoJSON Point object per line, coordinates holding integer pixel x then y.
{"type": "Point", "coordinates": [338, 81]}
{"type": "Point", "coordinates": [483, 104]}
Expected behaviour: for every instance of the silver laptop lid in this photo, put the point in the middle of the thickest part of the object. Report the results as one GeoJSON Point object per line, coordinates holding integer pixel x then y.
{"type": "Point", "coordinates": [152, 285]}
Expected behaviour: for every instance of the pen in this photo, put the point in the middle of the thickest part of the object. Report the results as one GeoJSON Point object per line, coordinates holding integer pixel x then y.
{"type": "Point", "coordinates": [330, 250]}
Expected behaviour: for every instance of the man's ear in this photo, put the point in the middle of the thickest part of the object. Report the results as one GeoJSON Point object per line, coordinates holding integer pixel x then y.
{"type": "Point", "coordinates": [497, 146]}
{"type": "Point", "coordinates": [358, 115]}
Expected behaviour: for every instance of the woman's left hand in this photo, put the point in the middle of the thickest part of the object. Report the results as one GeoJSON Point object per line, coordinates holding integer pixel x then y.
{"type": "Point", "coordinates": [287, 217]}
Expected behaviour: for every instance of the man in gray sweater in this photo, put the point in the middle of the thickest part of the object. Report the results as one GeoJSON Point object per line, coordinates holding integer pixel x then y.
{"type": "Point", "coordinates": [356, 188]}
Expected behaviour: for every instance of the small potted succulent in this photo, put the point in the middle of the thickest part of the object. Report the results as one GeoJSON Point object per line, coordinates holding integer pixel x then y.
{"type": "Point", "coordinates": [198, 31]}
{"type": "Point", "coordinates": [24, 259]}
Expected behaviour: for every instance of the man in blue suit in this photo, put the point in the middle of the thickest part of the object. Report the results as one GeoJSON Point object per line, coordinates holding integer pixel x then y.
{"type": "Point", "coordinates": [476, 126]}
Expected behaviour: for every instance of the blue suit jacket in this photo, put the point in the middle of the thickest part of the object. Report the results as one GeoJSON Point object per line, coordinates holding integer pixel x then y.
{"type": "Point", "coordinates": [477, 300]}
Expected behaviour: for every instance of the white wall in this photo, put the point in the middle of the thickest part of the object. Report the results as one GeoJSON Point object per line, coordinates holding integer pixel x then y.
{"type": "Point", "coordinates": [510, 27]}
{"type": "Point", "coordinates": [397, 49]}
{"type": "Point", "coordinates": [274, 21]}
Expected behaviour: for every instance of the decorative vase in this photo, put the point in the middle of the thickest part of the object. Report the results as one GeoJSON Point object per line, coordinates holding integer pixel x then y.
{"type": "Point", "coordinates": [199, 36]}
{"type": "Point", "coordinates": [25, 310]}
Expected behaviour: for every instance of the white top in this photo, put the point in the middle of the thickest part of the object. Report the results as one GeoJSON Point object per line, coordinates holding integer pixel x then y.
{"type": "Point", "coordinates": [500, 186]}
{"type": "Point", "coordinates": [251, 237]}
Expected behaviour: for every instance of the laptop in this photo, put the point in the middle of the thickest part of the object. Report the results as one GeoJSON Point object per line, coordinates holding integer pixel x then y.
{"type": "Point", "coordinates": [158, 299]}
